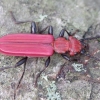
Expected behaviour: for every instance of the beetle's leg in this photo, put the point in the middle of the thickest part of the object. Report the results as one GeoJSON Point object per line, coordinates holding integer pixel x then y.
{"type": "Point", "coordinates": [74, 33]}
{"type": "Point", "coordinates": [47, 62]}
{"type": "Point", "coordinates": [33, 28]}
{"type": "Point", "coordinates": [38, 75]}
{"type": "Point", "coordinates": [17, 22]}
{"type": "Point", "coordinates": [20, 62]}
{"type": "Point", "coordinates": [62, 32]}
{"type": "Point", "coordinates": [69, 58]}
{"type": "Point", "coordinates": [50, 30]}
{"type": "Point", "coordinates": [61, 72]}
{"type": "Point", "coordinates": [65, 57]}
{"type": "Point", "coordinates": [88, 31]}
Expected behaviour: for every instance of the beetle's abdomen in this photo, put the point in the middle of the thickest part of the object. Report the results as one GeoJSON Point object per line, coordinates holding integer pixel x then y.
{"type": "Point", "coordinates": [75, 45]}
{"type": "Point", "coordinates": [34, 45]}
{"type": "Point", "coordinates": [61, 45]}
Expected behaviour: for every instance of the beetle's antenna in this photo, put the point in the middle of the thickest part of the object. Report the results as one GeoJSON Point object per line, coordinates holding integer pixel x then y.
{"type": "Point", "coordinates": [90, 56]}
{"type": "Point", "coordinates": [91, 38]}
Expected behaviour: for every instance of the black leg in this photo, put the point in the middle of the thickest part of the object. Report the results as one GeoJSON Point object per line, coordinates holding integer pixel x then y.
{"type": "Point", "coordinates": [17, 22]}
{"type": "Point", "coordinates": [33, 28]}
{"type": "Point", "coordinates": [62, 32]}
{"type": "Point", "coordinates": [88, 31]}
{"type": "Point", "coordinates": [50, 30]}
{"type": "Point", "coordinates": [65, 57]}
{"type": "Point", "coordinates": [75, 58]}
{"type": "Point", "coordinates": [38, 75]}
{"type": "Point", "coordinates": [74, 33]}
{"type": "Point", "coordinates": [20, 62]}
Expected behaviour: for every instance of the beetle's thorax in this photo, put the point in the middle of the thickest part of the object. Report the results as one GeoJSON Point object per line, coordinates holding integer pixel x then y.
{"type": "Point", "coordinates": [72, 45]}
{"type": "Point", "coordinates": [61, 45]}
{"type": "Point", "coordinates": [75, 45]}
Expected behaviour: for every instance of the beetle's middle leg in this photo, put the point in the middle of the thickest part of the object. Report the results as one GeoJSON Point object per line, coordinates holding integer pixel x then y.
{"type": "Point", "coordinates": [50, 31]}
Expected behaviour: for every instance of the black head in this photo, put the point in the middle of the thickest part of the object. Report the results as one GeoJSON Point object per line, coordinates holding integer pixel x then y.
{"type": "Point", "coordinates": [85, 47]}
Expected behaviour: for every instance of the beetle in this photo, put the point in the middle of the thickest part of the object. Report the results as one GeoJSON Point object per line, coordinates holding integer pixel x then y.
{"type": "Point", "coordinates": [42, 45]}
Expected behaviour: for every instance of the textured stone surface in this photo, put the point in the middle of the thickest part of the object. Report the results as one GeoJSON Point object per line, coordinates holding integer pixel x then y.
{"type": "Point", "coordinates": [67, 14]}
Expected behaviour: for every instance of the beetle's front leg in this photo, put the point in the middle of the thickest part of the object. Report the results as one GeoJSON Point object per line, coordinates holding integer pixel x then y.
{"type": "Point", "coordinates": [62, 32]}
{"type": "Point", "coordinates": [70, 58]}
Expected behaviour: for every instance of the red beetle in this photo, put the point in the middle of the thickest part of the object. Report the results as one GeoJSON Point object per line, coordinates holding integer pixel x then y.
{"type": "Point", "coordinates": [40, 45]}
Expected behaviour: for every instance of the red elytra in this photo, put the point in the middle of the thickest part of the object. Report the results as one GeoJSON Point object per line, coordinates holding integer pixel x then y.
{"type": "Point", "coordinates": [37, 45]}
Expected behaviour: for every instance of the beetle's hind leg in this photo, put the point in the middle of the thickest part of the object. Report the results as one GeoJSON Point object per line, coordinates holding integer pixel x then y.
{"type": "Point", "coordinates": [22, 61]}
{"type": "Point", "coordinates": [17, 22]}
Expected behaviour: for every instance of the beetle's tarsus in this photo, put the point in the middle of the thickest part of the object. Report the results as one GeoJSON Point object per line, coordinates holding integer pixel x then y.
{"type": "Point", "coordinates": [61, 72]}
{"type": "Point", "coordinates": [37, 76]}
{"type": "Point", "coordinates": [3, 68]}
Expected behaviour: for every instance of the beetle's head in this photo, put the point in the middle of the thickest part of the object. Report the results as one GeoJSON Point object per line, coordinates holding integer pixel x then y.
{"type": "Point", "coordinates": [85, 48]}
